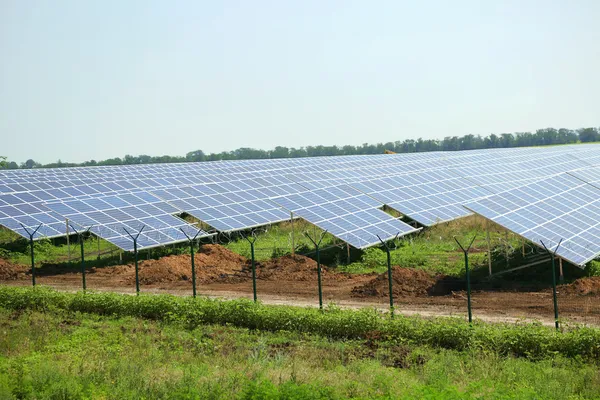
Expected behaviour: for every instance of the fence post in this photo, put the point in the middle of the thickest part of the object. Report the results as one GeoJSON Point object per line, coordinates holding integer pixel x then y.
{"type": "Point", "coordinates": [554, 298]}
{"type": "Point", "coordinates": [31, 235]}
{"type": "Point", "coordinates": [254, 295]}
{"type": "Point", "coordinates": [389, 273]}
{"type": "Point", "coordinates": [467, 275]}
{"type": "Point", "coordinates": [191, 241]}
{"type": "Point", "coordinates": [81, 247]}
{"type": "Point", "coordinates": [135, 254]}
{"type": "Point", "coordinates": [317, 244]}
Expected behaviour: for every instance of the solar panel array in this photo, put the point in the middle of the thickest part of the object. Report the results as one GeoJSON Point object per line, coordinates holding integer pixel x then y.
{"type": "Point", "coordinates": [347, 214]}
{"type": "Point", "coordinates": [116, 217]}
{"type": "Point", "coordinates": [559, 208]}
{"type": "Point", "coordinates": [234, 195]}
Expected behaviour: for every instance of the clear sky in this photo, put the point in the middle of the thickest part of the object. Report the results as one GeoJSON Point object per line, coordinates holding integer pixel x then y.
{"type": "Point", "coordinates": [84, 80]}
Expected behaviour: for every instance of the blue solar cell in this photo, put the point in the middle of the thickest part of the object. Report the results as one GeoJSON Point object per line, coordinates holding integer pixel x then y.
{"type": "Point", "coordinates": [29, 208]}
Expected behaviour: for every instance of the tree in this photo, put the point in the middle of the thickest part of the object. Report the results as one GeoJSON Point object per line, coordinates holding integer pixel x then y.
{"type": "Point", "coordinates": [195, 156]}
{"type": "Point", "coordinates": [29, 164]}
{"type": "Point", "coordinates": [3, 163]}
{"type": "Point", "coordinates": [587, 135]}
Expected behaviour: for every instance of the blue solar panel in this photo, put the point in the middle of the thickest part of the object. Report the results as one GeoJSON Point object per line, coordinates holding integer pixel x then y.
{"type": "Point", "coordinates": [561, 207]}
{"type": "Point", "coordinates": [346, 213]}
{"type": "Point", "coordinates": [112, 222]}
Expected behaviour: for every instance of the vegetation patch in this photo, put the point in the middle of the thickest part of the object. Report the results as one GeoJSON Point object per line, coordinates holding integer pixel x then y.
{"type": "Point", "coordinates": [527, 340]}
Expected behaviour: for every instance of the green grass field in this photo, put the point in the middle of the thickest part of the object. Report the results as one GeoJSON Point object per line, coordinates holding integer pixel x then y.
{"type": "Point", "coordinates": [69, 355]}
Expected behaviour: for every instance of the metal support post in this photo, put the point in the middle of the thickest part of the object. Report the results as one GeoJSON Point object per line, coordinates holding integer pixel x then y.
{"type": "Point", "coordinates": [348, 249]}
{"type": "Point", "coordinates": [98, 241]}
{"type": "Point", "coordinates": [553, 259]}
{"type": "Point", "coordinates": [561, 277]}
{"type": "Point", "coordinates": [191, 240]}
{"type": "Point", "coordinates": [389, 271]}
{"type": "Point", "coordinates": [467, 275]}
{"type": "Point", "coordinates": [489, 247]}
{"type": "Point", "coordinates": [81, 246]}
{"type": "Point", "coordinates": [251, 241]}
{"type": "Point", "coordinates": [293, 236]}
{"type": "Point", "coordinates": [68, 239]}
{"type": "Point", "coordinates": [135, 254]}
{"type": "Point", "coordinates": [317, 244]}
{"type": "Point", "coordinates": [31, 235]}
{"type": "Point", "coordinates": [506, 248]}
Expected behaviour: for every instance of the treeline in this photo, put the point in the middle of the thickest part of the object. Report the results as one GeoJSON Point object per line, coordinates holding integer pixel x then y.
{"type": "Point", "coordinates": [541, 137]}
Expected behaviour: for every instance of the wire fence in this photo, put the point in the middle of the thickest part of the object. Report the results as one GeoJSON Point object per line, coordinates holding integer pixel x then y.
{"type": "Point", "coordinates": [511, 279]}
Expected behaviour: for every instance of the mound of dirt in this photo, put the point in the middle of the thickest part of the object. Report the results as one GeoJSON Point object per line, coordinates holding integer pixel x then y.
{"type": "Point", "coordinates": [405, 282]}
{"type": "Point", "coordinates": [213, 262]}
{"type": "Point", "coordinates": [12, 272]}
{"type": "Point", "coordinates": [288, 268]}
{"type": "Point", "coordinates": [582, 286]}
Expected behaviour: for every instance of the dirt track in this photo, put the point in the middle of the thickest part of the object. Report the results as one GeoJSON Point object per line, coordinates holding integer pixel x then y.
{"type": "Point", "coordinates": [293, 280]}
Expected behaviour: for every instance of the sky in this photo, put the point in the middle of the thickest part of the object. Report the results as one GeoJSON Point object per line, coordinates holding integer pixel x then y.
{"type": "Point", "coordinates": [83, 80]}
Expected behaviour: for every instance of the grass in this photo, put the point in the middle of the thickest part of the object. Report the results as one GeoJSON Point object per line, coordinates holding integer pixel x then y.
{"type": "Point", "coordinates": [276, 240]}
{"type": "Point", "coordinates": [16, 249]}
{"type": "Point", "coordinates": [528, 340]}
{"type": "Point", "coordinates": [70, 355]}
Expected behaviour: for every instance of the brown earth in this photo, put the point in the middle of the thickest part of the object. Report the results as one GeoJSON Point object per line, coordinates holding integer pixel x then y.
{"type": "Point", "coordinates": [582, 286]}
{"type": "Point", "coordinates": [288, 268]}
{"type": "Point", "coordinates": [212, 263]}
{"type": "Point", "coordinates": [405, 282]}
{"type": "Point", "coordinates": [12, 272]}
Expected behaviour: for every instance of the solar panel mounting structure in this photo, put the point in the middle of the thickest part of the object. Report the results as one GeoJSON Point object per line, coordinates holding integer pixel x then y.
{"type": "Point", "coordinates": [562, 207]}
{"type": "Point", "coordinates": [347, 214]}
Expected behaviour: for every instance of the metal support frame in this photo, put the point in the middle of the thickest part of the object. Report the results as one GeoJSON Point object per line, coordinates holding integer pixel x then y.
{"type": "Point", "coordinates": [68, 239]}
{"type": "Point", "coordinates": [31, 235]}
{"type": "Point", "coordinates": [317, 244]}
{"type": "Point", "coordinates": [389, 271]}
{"type": "Point", "coordinates": [348, 250]}
{"type": "Point", "coordinates": [467, 274]}
{"type": "Point", "coordinates": [489, 246]}
{"type": "Point", "coordinates": [553, 259]}
{"type": "Point", "coordinates": [191, 240]}
{"type": "Point", "coordinates": [293, 236]}
{"type": "Point", "coordinates": [135, 254]}
{"type": "Point", "coordinates": [80, 238]}
{"type": "Point", "coordinates": [251, 241]}
{"type": "Point", "coordinates": [561, 276]}
{"type": "Point", "coordinates": [506, 252]}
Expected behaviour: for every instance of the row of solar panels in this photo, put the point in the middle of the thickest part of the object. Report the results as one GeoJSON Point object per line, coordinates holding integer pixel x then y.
{"type": "Point", "coordinates": [428, 187]}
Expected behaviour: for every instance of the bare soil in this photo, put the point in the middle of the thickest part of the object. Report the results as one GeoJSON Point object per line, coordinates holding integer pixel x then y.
{"type": "Point", "coordinates": [405, 282]}
{"type": "Point", "coordinates": [293, 280]}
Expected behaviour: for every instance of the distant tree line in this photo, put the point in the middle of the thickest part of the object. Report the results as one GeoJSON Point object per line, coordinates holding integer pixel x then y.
{"type": "Point", "coordinates": [541, 137]}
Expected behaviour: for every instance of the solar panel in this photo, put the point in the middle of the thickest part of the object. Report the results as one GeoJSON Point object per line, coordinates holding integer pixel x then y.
{"type": "Point", "coordinates": [226, 210]}
{"type": "Point", "coordinates": [589, 175]}
{"type": "Point", "coordinates": [110, 218]}
{"type": "Point", "coordinates": [428, 197]}
{"type": "Point", "coordinates": [560, 207]}
{"type": "Point", "coordinates": [235, 205]}
{"type": "Point", "coordinates": [27, 209]}
{"type": "Point", "coordinates": [346, 213]}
